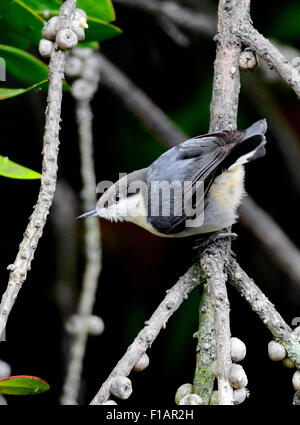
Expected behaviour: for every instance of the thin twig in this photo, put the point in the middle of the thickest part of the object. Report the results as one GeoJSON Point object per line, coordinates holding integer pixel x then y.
{"type": "Point", "coordinates": [265, 310]}
{"type": "Point", "coordinates": [174, 298]}
{"type": "Point", "coordinates": [92, 253]}
{"type": "Point", "coordinates": [272, 238]}
{"type": "Point", "coordinates": [185, 18]}
{"type": "Point", "coordinates": [38, 218]}
{"type": "Point", "coordinates": [266, 50]}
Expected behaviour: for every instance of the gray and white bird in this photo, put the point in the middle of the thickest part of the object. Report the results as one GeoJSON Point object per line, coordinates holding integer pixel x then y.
{"type": "Point", "coordinates": [216, 159]}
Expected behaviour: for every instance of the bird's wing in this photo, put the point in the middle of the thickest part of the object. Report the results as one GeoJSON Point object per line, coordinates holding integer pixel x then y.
{"type": "Point", "coordinates": [193, 161]}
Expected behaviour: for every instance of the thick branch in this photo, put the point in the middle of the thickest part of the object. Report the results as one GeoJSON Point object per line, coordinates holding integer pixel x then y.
{"type": "Point", "coordinates": [223, 115]}
{"type": "Point", "coordinates": [174, 298]}
{"type": "Point", "coordinates": [38, 218]}
{"type": "Point", "coordinates": [265, 310]}
{"type": "Point", "coordinates": [265, 49]}
{"type": "Point", "coordinates": [206, 348]}
{"type": "Point", "coordinates": [187, 19]}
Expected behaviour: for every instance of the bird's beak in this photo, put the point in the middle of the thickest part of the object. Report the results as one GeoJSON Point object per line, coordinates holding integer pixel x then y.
{"type": "Point", "coordinates": [91, 213]}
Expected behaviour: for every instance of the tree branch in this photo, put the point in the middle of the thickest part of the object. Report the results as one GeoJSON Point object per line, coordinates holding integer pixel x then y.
{"type": "Point", "coordinates": [38, 218]}
{"type": "Point", "coordinates": [223, 115]}
{"type": "Point", "coordinates": [206, 348]}
{"type": "Point", "coordinates": [174, 298]}
{"type": "Point", "coordinates": [266, 50]}
{"type": "Point", "coordinates": [266, 311]}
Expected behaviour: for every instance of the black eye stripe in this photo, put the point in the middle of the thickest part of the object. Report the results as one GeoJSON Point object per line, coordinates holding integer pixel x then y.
{"type": "Point", "coordinates": [133, 193]}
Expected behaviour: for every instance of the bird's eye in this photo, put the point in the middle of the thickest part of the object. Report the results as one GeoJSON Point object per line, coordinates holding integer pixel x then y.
{"type": "Point", "coordinates": [117, 198]}
{"type": "Point", "coordinates": [106, 204]}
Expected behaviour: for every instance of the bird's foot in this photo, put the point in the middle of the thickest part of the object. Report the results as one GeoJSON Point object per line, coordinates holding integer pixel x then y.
{"type": "Point", "coordinates": [203, 243]}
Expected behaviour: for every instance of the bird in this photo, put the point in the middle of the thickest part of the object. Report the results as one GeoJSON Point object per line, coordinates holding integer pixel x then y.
{"type": "Point", "coordinates": [205, 172]}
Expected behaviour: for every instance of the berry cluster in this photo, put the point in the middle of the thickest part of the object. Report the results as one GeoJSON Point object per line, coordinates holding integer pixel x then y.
{"type": "Point", "coordinates": [236, 377]}
{"type": "Point", "coordinates": [65, 38]}
{"type": "Point", "coordinates": [278, 353]}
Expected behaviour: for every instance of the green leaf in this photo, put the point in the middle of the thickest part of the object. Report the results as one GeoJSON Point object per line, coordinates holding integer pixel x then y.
{"type": "Point", "coordinates": [20, 25]}
{"type": "Point", "coordinates": [23, 66]}
{"type": "Point", "coordinates": [6, 93]}
{"type": "Point", "coordinates": [101, 9]}
{"type": "Point", "coordinates": [100, 30]}
{"type": "Point", "coordinates": [91, 44]}
{"type": "Point", "coordinates": [15, 171]}
{"type": "Point", "coordinates": [23, 385]}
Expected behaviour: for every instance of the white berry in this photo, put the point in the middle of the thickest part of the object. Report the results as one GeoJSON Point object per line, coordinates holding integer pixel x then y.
{"type": "Point", "coordinates": [5, 369]}
{"type": "Point", "coordinates": [276, 351]}
{"type": "Point", "coordinates": [142, 363]}
{"type": "Point", "coordinates": [296, 380]}
{"type": "Point", "coordinates": [95, 325]}
{"type": "Point", "coordinates": [66, 39]}
{"type": "Point", "coordinates": [239, 396]}
{"type": "Point", "coordinates": [191, 399]}
{"type": "Point", "coordinates": [51, 28]}
{"type": "Point", "coordinates": [238, 350]}
{"type": "Point", "coordinates": [237, 376]}
{"type": "Point", "coordinates": [182, 391]}
{"type": "Point", "coordinates": [45, 48]}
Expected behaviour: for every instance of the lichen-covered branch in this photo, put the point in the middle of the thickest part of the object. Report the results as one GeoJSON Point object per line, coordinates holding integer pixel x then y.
{"type": "Point", "coordinates": [212, 265]}
{"type": "Point", "coordinates": [34, 230]}
{"type": "Point", "coordinates": [264, 309]}
{"type": "Point", "coordinates": [187, 19]}
{"type": "Point", "coordinates": [266, 50]}
{"type": "Point", "coordinates": [206, 348]}
{"type": "Point", "coordinates": [223, 115]}
{"type": "Point", "coordinates": [174, 298]}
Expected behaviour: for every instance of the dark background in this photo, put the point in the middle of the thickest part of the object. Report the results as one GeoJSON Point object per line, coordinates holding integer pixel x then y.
{"type": "Point", "coordinates": [138, 267]}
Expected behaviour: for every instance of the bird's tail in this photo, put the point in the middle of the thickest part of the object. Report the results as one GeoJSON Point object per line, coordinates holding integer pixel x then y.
{"type": "Point", "coordinates": [252, 145]}
{"type": "Point", "coordinates": [259, 127]}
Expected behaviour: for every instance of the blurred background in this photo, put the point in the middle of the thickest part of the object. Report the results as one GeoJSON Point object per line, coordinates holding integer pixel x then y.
{"type": "Point", "coordinates": [176, 72]}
